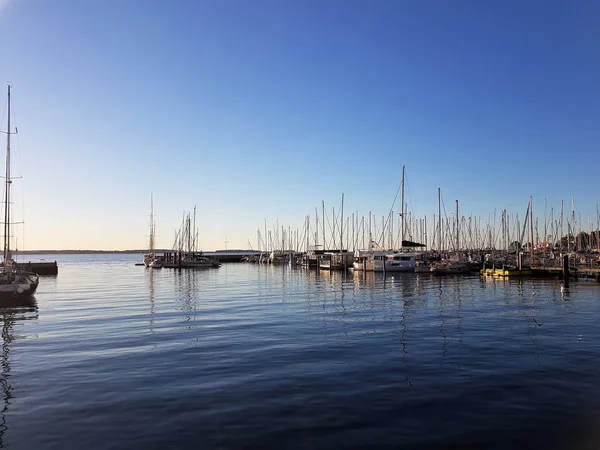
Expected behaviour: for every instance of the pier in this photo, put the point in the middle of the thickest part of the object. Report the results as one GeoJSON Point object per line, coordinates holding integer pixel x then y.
{"type": "Point", "coordinates": [41, 268]}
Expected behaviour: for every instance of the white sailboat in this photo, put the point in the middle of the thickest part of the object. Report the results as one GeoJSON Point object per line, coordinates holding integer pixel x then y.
{"type": "Point", "coordinates": [14, 282]}
{"type": "Point", "coordinates": [390, 260]}
{"type": "Point", "coordinates": [150, 260]}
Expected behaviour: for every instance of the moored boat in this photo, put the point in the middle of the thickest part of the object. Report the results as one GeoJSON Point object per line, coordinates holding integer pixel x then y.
{"type": "Point", "coordinates": [155, 264]}
{"type": "Point", "coordinates": [508, 272]}
{"type": "Point", "coordinates": [336, 260]}
{"type": "Point", "coordinates": [15, 283]}
{"type": "Point", "coordinates": [422, 266]}
{"type": "Point", "coordinates": [386, 261]}
{"type": "Point", "coordinates": [449, 267]}
{"type": "Point", "coordinates": [199, 261]}
{"type": "Point", "coordinates": [151, 260]}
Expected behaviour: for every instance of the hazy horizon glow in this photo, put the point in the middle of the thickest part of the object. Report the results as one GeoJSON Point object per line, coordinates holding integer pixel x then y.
{"type": "Point", "coordinates": [262, 110]}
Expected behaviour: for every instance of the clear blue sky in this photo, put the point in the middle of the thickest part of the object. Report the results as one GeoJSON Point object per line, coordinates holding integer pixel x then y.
{"type": "Point", "coordinates": [256, 110]}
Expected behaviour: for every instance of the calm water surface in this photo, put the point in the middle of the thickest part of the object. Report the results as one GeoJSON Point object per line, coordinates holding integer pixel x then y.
{"type": "Point", "coordinates": [117, 356]}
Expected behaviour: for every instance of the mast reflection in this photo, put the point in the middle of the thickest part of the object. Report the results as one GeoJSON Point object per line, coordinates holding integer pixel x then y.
{"type": "Point", "coordinates": [10, 312]}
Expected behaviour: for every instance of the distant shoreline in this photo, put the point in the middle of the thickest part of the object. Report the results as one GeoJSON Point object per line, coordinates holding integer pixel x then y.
{"type": "Point", "coordinates": [75, 252]}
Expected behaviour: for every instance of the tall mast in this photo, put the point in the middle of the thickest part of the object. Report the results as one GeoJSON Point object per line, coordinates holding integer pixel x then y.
{"type": "Point", "coordinates": [307, 232]}
{"type": "Point", "coordinates": [151, 226]}
{"type": "Point", "coordinates": [316, 228]}
{"type": "Point", "coordinates": [342, 225]}
{"type": "Point", "coordinates": [545, 222]}
{"type": "Point", "coordinates": [457, 228]}
{"type": "Point", "coordinates": [370, 233]}
{"type": "Point", "coordinates": [531, 228]}
{"type": "Point", "coordinates": [7, 253]}
{"type": "Point", "coordinates": [562, 230]}
{"type": "Point", "coordinates": [439, 219]}
{"type": "Point", "coordinates": [402, 213]}
{"type": "Point", "coordinates": [573, 222]}
{"type": "Point", "coordinates": [189, 237]}
{"type": "Point", "coordinates": [194, 243]}
{"type": "Point", "coordinates": [323, 201]}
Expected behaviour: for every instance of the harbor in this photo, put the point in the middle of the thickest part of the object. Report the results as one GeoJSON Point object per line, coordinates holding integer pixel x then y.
{"type": "Point", "coordinates": [299, 225]}
{"type": "Point", "coordinates": [447, 243]}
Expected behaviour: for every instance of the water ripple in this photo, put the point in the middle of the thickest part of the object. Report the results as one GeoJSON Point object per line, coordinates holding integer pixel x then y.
{"type": "Point", "coordinates": [116, 356]}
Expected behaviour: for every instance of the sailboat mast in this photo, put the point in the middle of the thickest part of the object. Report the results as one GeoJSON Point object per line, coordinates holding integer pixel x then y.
{"type": "Point", "coordinates": [402, 212]}
{"type": "Point", "coordinates": [194, 243]}
{"type": "Point", "coordinates": [439, 219]}
{"type": "Point", "coordinates": [323, 201]}
{"type": "Point", "coordinates": [151, 226]}
{"type": "Point", "coordinates": [531, 229]}
{"type": "Point", "coordinates": [7, 254]}
{"type": "Point", "coordinates": [342, 225]}
{"type": "Point", "coordinates": [457, 228]}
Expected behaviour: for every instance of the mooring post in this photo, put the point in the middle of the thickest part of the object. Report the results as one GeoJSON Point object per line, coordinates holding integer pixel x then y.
{"type": "Point", "coordinates": [566, 270]}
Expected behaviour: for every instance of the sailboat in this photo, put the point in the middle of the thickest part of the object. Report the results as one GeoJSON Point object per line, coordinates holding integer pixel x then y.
{"type": "Point", "coordinates": [150, 260]}
{"type": "Point", "coordinates": [14, 282]}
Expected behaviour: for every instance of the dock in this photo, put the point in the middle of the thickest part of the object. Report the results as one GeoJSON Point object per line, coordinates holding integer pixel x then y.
{"type": "Point", "coordinates": [41, 268]}
{"type": "Point", "coordinates": [172, 259]}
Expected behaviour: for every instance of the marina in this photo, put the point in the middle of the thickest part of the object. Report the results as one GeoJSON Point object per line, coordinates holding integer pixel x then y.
{"type": "Point", "coordinates": [515, 246]}
{"type": "Point", "coordinates": [300, 225]}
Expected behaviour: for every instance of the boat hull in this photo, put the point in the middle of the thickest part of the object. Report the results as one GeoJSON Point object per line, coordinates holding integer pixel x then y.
{"type": "Point", "coordinates": [17, 286]}
{"type": "Point", "coordinates": [449, 270]}
{"type": "Point", "coordinates": [197, 265]}
{"type": "Point", "coordinates": [386, 261]}
{"type": "Point", "coordinates": [336, 261]}
{"type": "Point", "coordinates": [505, 273]}
{"type": "Point", "coordinates": [402, 266]}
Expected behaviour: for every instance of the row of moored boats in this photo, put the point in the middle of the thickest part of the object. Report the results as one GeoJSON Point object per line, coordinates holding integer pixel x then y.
{"type": "Point", "coordinates": [373, 261]}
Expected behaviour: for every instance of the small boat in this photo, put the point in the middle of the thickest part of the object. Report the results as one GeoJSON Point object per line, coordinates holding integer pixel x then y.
{"type": "Point", "coordinates": [506, 272]}
{"type": "Point", "coordinates": [422, 267]}
{"type": "Point", "coordinates": [186, 254]}
{"type": "Point", "coordinates": [310, 259]}
{"type": "Point", "coordinates": [279, 257]}
{"type": "Point", "coordinates": [401, 261]}
{"type": "Point", "coordinates": [336, 260]}
{"type": "Point", "coordinates": [15, 283]}
{"type": "Point", "coordinates": [199, 261]}
{"type": "Point", "coordinates": [386, 261]}
{"type": "Point", "coordinates": [155, 264]}
{"type": "Point", "coordinates": [449, 267]}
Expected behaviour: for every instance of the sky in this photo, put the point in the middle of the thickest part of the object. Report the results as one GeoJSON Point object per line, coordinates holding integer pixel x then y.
{"type": "Point", "coordinates": [259, 111]}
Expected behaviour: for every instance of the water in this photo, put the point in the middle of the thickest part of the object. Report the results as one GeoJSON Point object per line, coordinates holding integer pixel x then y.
{"type": "Point", "coordinates": [247, 356]}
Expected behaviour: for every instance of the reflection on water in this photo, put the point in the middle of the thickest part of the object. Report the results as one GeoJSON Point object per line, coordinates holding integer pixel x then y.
{"type": "Point", "coordinates": [17, 310]}
{"type": "Point", "coordinates": [254, 356]}
{"type": "Point", "coordinates": [151, 295]}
